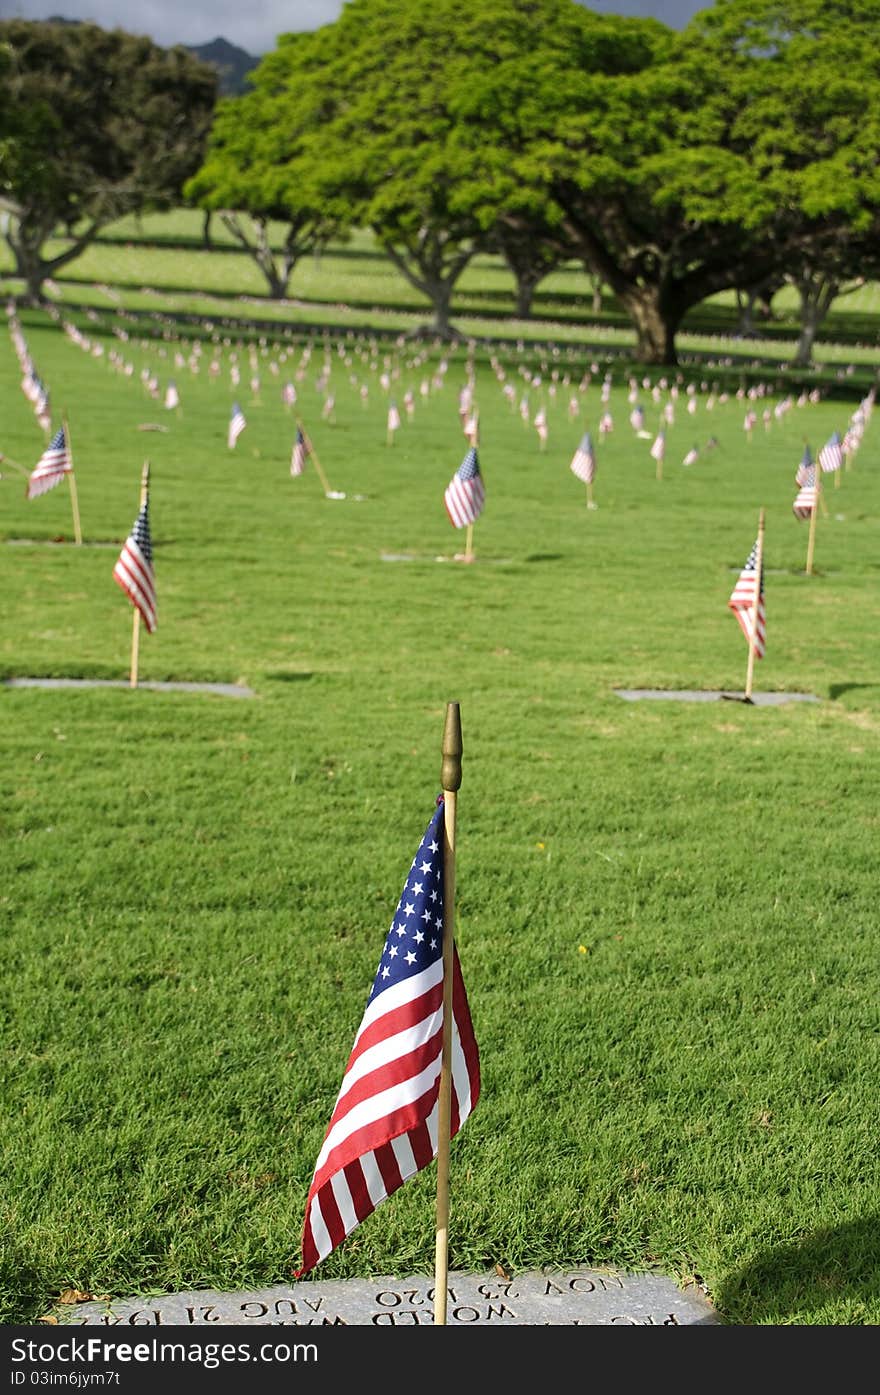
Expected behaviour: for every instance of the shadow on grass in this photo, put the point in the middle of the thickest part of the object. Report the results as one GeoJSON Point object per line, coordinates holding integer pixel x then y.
{"type": "Point", "coordinates": [834, 1264]}
{"type": "Point", "coordinates": [286, 676]}
{"type": "Point", "coordinates": [544, 557]}
{"type": "Point", "coordinates": [837, 690]}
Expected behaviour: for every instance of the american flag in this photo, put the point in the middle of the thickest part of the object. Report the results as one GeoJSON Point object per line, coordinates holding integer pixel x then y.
{"type": "Point", "coordinates": [742, 601]}
{"type": "Point", "coordinates": [805, 468]}
{"type": "Point", "coordinates": [692, 456]}
{"type": "Point", "coordinates": [134, 569]}
{"type": "Point", "coordinates": [172, 396]}
{"type": "Point", "coordinates": [51, 467]}
{"type": "Point", "coordinates": [583, 462]}
{"type": "Point", "coordinates": [237, 424]}
{"type": "Point", "coordinates": [805, 500]}
{"type": "Point", "coordinates": [299, 453]}
{"type": "Point", "coordinates": [393, 417]}
{"type": "Point", "coordinates": [384, 1125]}
{"type": "Point", "coordinates": [465, 494]}
{"type": "Point", "coordinates": [831, 454]}
{"type": "Point", "coordinates": [658, 448]}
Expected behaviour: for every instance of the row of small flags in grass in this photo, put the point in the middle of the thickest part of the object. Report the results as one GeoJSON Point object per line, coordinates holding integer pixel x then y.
{"type": "Point", "coordinates": [464, 497]}
{"type": "Point", "coordinates": [711, 394]}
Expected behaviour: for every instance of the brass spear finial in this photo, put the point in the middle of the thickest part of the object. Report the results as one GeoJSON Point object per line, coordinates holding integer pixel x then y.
{"type": "Point", "coordinates": [450, 770]}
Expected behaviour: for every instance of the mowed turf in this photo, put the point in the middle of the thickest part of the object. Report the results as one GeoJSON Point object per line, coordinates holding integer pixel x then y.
{"type": "Point", "coordinates": [665, 910]}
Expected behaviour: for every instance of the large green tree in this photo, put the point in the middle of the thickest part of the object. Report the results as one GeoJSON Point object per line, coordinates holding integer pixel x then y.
{"type": "Point", "coordinates": [800, 109]}
{"type": "Point", "coordinates": [681, 166]}
{"type": "Point", "coordinates": [383, 136]}
{"type": "Point", "coordinates": [255, 171]}
{"type": "Point", "coordinates": [94, 124]}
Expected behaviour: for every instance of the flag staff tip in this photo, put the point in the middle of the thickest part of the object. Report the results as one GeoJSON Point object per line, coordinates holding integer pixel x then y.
{"type": "Point", "coordinates": [450, 772]}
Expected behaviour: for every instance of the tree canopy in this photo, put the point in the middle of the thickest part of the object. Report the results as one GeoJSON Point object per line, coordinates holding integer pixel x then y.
{"type": "Point", "coordinates": [734, 155]}
{"type": "Point", "coordinates": [93, 124]}
{"type": "Point", "coordinates": [254, 170]}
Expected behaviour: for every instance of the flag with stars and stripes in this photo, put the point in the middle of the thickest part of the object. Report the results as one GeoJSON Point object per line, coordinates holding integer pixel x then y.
{"type": "Point", "coordinates": [237, 424]}
{"type": "Point", "coordinates": [134, 568]}
{"type": "Point", "coordinates": [465, 494]}
{"type": "Point", "coordinates": [299, 453]}
{"type": "Point", "coordinates": [51, 467]}
{"type": "Point", "coordinates": [750, 584]}
{"type": "Point", "coordinates": [805, 467]}
{"type": "Point", "coordinates": [384, 1126]}
{"type": "Point", "coordinates": [658, 448]}
{"type": "Point", "coordinates": [583, 462]}
{"type": "Point", "coordinates": [808, 494]}
{"type": "Point", "coordinates": [831, 454]}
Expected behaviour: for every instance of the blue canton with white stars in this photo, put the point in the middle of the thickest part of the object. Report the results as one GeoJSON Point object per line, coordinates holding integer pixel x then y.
{"type": "Point", "coordinates": [141, 534]}
{"type": "Point", "coordinates": [415, 937]}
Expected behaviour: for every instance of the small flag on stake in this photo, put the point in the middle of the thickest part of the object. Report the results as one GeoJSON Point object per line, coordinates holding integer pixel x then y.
{"type": "Point", "coordinates": [747, 603]}
{"type": "Point", "coordinates": [583, 462]}
{"type": "Point", "coordinates": [51, 467]}
{"type": "Point", "coordinates": [299, 453]}
{"type": "Point", "coordinates": [237, 424]}
{"type": "Point", "coordinates": [134, 568]}
{"type": "Point", "coordinates": [465, 494]}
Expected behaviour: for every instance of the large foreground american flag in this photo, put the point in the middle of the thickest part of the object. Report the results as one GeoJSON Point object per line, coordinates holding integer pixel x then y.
{"type": "Point", "coordinates": [384, 1127]}
{"type": "Point", "coordinates": [51, 467]}
{"type": "Point", "coordinates": [134, 568]}
{"type": "Point", "coordinates": [749, 585]}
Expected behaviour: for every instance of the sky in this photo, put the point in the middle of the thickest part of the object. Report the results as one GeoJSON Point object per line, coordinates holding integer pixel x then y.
{"type": "Point", "coordinates": [255, 26]}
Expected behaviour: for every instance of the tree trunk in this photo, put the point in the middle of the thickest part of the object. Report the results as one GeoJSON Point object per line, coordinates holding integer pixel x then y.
{"type": "Point", "coordinates": [816, 300]}
{"type": "Point", "coordinates": [30, 267]}
{"type": "Point", "coordinates": [440, 292]}
{"type": "Point", "coordinates": [277, 278]}
{"type": "Point", "coordinates": [803, 354]}
{"type": "Point", "coordinates": [525, 291]}
{"type": "Point", "coordinates": [432, 283]}
{"type": "Point", "coordinates": [656, 324]}
{"type": "Point", "coordinates": [206, 229]}
{"type": "Point", "coordinates": [745, 304]}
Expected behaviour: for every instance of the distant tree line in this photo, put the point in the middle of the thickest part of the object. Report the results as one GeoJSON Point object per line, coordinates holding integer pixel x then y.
{"type": "Point", "coordinates": [740, 154]}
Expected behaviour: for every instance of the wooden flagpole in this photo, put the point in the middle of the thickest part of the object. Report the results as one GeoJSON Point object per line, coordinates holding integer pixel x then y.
{"type": "Point", "coordinates": [450, 781]}
{"type": "Point", "coordinates": [753, 634]}
{"type": "Point", "coordinates": [77, 531]}
{"type": "Point", "coordinates": [311, 450]}
{"type": "Point", "coordinates": [136, 620]}
{"type": "Point", "coordinates": [813, 513]}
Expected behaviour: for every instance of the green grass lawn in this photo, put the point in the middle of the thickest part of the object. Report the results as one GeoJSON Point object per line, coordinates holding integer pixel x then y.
{"type": "Point", "coordinates": [665, 910]}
